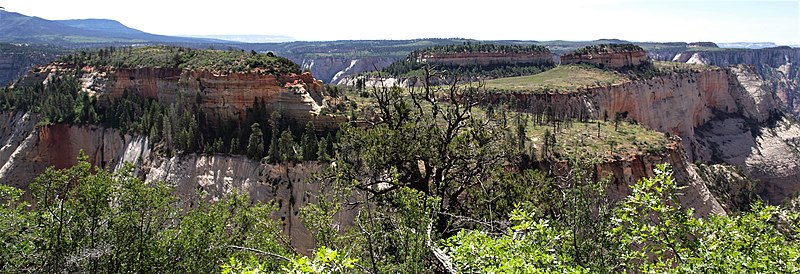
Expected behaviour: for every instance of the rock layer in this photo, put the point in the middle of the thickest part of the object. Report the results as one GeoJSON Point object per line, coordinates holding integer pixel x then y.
{"type": "Point", "coordinates": [29, 149]}
{"type": "Point", "coordinates": [777, 67]}
{"type": "Point", "coordinates": [607, 60]}
{"type": "Point", "coordinates": [228, 95]}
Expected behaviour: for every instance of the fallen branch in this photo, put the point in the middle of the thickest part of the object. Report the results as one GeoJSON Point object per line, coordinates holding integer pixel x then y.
{"type": "Point", "coordinates": [260, 252]}
{"type": "Point", "coordinates": [442, 258]}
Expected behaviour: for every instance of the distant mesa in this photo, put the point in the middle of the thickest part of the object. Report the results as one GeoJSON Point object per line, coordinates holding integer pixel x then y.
{"type": "Point", "coordinates": [482, 54]}
{"type": "Point", "coordinates": [612, 56]}
{"type": "Point", "coordinates": [703, 45]}
{"type": "Point", "coordinates": [475, 61]}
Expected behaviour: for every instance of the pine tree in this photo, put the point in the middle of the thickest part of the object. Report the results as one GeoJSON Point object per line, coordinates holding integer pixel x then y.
{"type": "Point", "coordinates": [255, 144]}
{"type": "Point", "coordinates": [309, 143]}
{"type": "Point", "coordinates": [322, 150]}
{"type": "Point", "coordinates": [274, 121]}
{"type": "Point", "coordinates": [286, 147]}
{"type": "Point", "coordinates": [234, 148]}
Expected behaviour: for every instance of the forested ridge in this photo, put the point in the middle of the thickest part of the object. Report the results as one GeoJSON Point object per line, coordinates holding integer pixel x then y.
{"type": "Point", "coordinates": [414, 63]}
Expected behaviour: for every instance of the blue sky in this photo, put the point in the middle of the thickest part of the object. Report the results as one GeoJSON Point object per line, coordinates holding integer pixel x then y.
{"type": "Point", "coordinates": [706, 20]}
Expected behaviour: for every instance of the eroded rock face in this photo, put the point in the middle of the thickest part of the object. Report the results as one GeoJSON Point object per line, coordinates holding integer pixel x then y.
{"type": "Point", "coordinates": [695, 194]}
{"type": "Point", "coordinates": [607, 60]}
{"type": "Point", "coordinates": [770, 154]}
{"type": "Point", "coordinates": [334, 69]}
{"type": "Point", "coordinates": [228, 95]}
{"type": "Point", "coordinates": [723, 116]}
{"type": "Point", "coordinates": [27, 150]}
{"type": "Point", "coordinates": [284, 185]}
{"type": "Point", "coordinates": [777, 66]}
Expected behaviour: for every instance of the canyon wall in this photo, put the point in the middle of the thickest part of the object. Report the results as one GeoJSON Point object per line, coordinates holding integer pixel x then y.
{"type": "Point", "coordinates": [777, 66]}
{"type": "Point", "coordinates": [607, 59]}
{"type": "Point", "coordinates": [723, 116]}
{"type": "Point", "coordinates": [27, 150]}
{"type": "Point", "coordinates": [333, 69]}
{"type": "Point", "coordinates": [228, 95]}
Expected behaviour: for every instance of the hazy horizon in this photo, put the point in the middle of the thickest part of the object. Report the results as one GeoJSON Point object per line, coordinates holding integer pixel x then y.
{"type": "Point", "coordinates": [640, 21]}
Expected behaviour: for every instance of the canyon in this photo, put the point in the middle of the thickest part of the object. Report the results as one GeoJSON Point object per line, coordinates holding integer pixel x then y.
{"type": "Point", "coordinates": [777, 66]}
{"type": "Point", "coordinates": [732, 122]}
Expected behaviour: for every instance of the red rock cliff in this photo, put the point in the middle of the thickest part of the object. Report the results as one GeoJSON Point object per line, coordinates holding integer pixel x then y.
{"type": "Point", "coordinates": [226, 94]}
{"type": "Point", "coordinates": [607, 60]}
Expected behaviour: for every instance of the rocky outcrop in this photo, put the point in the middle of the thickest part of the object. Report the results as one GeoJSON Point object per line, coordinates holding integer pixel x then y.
{"type": "Point", "coordinates": [228, 95]}
{"type": "Point", "coordinates": [723, 116]}
{"type": "Point", "coordinates": [218, 175]}
{"type": "Point", "coordinates": [613, 60]}
{"type": "Point", "coordinates": [333, 69]}
{"type": "Point", "coordinates": [695, 193]}
{"type": "Point", "coordinates": [29, 149]}
{"type": "Point", "coordinates": [777, 66]}
{"type": "Point", "coordinates": [675, 103]}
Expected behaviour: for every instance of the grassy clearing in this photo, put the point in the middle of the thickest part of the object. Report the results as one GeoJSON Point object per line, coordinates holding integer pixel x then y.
{"type": "Point", "coordinates": [581, 140]}
{"type": "Point", "coordinates": [565, 78]}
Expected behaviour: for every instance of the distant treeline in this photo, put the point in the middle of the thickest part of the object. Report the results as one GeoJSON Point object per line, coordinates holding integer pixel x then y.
{"type": "Point", "coordinates": [412, 68]}
{"type": "Point", "coordinates": [477, 47]}
{"type": "Point", "coordinates": [608, 48]}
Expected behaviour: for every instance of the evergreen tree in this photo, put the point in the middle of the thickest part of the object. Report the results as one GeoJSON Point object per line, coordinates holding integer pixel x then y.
{"type": "Point", "coordinates": [309, 143]}
{"type": "Point", "coordinates": [286, 147]}
{"type": "Point", "coordinates": [322, 150]}
{"type": "Point", "coordinates": [234, 148]}
{"type": "Point", "coordinates": [255, 144]}
{"type": "Point", "coordinates": [274, 121]}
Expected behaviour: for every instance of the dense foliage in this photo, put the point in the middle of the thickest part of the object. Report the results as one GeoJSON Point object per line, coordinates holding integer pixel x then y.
{"type": "Point", "coordinates": [183, 58]}
{"type": "Point", "coordinates": [649, 232]}
{"type": "Point", "coordinates": [85, 219]}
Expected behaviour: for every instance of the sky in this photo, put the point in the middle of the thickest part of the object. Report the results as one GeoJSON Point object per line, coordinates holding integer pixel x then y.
{"type": "Point", "coordinates": [658, 21]}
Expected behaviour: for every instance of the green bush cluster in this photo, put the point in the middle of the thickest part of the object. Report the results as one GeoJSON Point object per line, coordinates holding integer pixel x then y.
{"type": "Point", "coordinates": [88, 220]}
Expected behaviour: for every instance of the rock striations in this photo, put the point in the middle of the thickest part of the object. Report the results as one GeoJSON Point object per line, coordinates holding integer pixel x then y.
{"type": "Point", "coordinates": [613, 56]}
{"type": "Point", "coordinates": [226, 94]}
